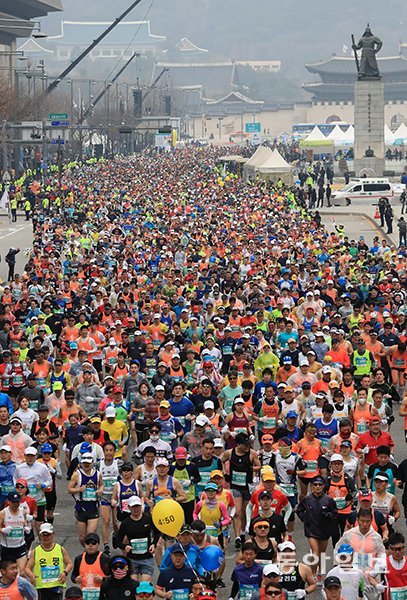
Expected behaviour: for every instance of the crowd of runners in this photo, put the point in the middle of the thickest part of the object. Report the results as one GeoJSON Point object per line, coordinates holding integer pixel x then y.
{"type": "Point", "coordinates": [178, 334]}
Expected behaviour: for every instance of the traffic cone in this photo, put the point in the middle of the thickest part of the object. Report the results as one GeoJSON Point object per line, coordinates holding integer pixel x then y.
{"type": "Point", "coordinates": [377, 214]}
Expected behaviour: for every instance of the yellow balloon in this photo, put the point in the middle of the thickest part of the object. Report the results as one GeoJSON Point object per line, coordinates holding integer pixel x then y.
{"type": "Point", "coordinates": [168, 517]}
{"type": "Point", "coordinates": [227, 178]}
{"type": "Point", "coordinates": [221, 183]}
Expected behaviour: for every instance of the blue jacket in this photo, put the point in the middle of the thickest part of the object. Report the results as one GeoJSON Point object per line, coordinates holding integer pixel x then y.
{"type": "Point", "coordinates": [193, 559]}
{"type": "Point", "coordinates": [5, 401]}
{"type": "Point", "coordinates": [6, 479]}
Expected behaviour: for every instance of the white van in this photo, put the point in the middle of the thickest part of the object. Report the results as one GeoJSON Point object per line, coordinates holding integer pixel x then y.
{"type": "Point", "coordinates": [366, 187]}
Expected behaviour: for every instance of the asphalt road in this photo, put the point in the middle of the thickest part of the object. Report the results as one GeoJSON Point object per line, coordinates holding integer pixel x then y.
{"type": "Point", "coordinates": [19, 235]}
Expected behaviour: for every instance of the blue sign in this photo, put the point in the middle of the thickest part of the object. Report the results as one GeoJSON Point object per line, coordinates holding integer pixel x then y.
{"type": "Point", "coordinates": [60, 123]}
{"type": "Point", "coordinates": [61, 142]}
{"type": "Point", "coordinates": [253, 127]}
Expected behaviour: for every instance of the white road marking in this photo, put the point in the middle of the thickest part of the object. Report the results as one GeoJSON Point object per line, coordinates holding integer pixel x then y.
{"type": "Point", "coordinates": [14, 231]}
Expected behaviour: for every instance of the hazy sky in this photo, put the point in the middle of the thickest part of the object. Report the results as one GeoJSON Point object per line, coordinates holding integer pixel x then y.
{"type": "Point", "coordinates": [293, 31]}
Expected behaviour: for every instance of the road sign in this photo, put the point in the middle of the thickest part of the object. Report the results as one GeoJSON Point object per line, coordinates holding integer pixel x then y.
{"type": "Point", "coordinates": [60, 123]}
{"type": "Point", "coordinates": [61, 142]}
{"type": "Point", "coordinates": [253, 127]}
{"type": "Point", "coordinates": [57, 116]}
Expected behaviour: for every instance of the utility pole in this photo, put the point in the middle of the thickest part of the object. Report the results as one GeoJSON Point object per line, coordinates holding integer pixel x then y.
{"type": "Point", "coordinates": [89, 49]}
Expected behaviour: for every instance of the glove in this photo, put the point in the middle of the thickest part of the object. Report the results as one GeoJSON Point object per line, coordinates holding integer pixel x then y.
{"type": "Point", "coordinates": [263, 419]}
{"type": "Point", "coordinates": [280, 424]}
{"type": "Point", "coordinates": [52, 470]}
{"type": "Point", "coordinates": [366, 450]}
{"type": "Point", "coordinates": [173, 436]}
{"type": "Point", "coordinates": [6, 530]}
{"type": "Point", "coordinates": [391, 519]}
{"type": "Point", "coordinates": [27, 529]}
{"type": "Point", "coordinates": [224, 429]}
{"type": "Point", "coordinates": [217, 525]}
{"type": "Point", "coordinates": [29, 518]}
{"type": "Point", "coordinates": [188, 418]}
{"type": "Point", "coordinates": [251, 438]}
{"type": "Point", "coordinates": [384, 421]}
{"type": "Point", "coordinates": [300, 594]}
{"type": "Point", "coordinates": [381, 588]}
{"type": "Point", "coordinates": [233, 434]}
{"type": "Point", "coordinates": [223, 413]}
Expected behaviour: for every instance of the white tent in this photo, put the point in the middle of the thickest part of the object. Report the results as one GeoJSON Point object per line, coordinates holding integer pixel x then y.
{"type": "Point", "coordinates": [389, 136]}
{"type": "Point", "coordinates": [350, 134]}
{"type": "Point", "coordinates": [401, 132]}
{"type": "Point", "coordinates": [276, 167]}
{"type": "Point", "coordinates": [337, 135]}
{"type": "Point", "coordinates": [259, 157]}
{"type": "Point", "coordinates": [316, 135]}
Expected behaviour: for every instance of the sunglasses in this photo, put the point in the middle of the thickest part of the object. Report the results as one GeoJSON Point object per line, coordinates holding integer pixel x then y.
{"type": "Point", "coordinates": [154, 431]}
{"type": "Point", "coordinates": [91, 543]}
{"type": "Point", "coordinates": [19, 485]}
{"type": "Point", "coordinates": [274, 593]}
{"type": "Point", "coordinates": [46, 534]}
{"type": "Point", "coordinates": [144, 594]}
{"type": "Point", "coordinates": [262, 527]}
{"type": "Point", "coordinates": [318, 484]}
{"type": "Point", "coordinates": [119, 566]}
{"type": "Point", "coordinates": [398, 548]}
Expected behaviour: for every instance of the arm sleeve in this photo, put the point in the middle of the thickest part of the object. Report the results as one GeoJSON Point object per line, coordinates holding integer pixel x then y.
{"type": "Point", "coordinates": [75, 570]}
{"type": "Point", "coordinates": [235, 588]}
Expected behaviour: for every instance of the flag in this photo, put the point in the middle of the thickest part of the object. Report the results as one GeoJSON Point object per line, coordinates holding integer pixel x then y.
{"type": "Point", "coordinates": [4, 200]}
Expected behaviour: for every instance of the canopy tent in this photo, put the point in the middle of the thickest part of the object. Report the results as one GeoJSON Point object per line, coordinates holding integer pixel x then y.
{"type": "Point", "coordinates": [337, 135]}
{"type": "Point", "coordinates": [256, 160]}
{"type": "Point", "coordinates": [389, 136]}
{"type": "Point", "coordinates": [400, 135]}
{"type": "Point", "coordinates": [276, 167]}
{"type": "Point", "coordinates": [316, 135]}
{"type": "Point", "coordinates": [350, 133]}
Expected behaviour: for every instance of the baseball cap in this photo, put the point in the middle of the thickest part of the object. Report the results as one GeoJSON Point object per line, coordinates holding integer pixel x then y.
{"type": "Point", "coordinates": [95, 420]}
{"type": "Point", "coordinates": [211, 486]}
{"type": "Point", "coordinates": [144, 587]}
{"type": "Point", "coordinates": [110, 412]}
{"type": "Point", "coordinates": [336, 457]}
{"type": "Point", "coordinates": [332, 581]}
{"type": "Point", "coordinates": [381, 477]}
{"type": "Point", "coordinates": [127, 466]}
{"type": "Point", "coordinates": [159, 388]}
{"type": "Point", "coordinates": [238, 400]}
{"type": "Point", "coordinates": [346, 443]}
{"type": "Point", "coordinates": [176, 548]}
{"type": "Point", "coordinates": [135, 501]}
{"type": "Point", "coordinates": [46, 448]}
{"type": "Point", "coordinates": [216, 473]}
{"type": "Point", "coordinates": [365, 495]}
{"type": "Point", "coordinates": [117, 389]}
{"type": "Point", "coordinates": [30, 450]}
{"type": "Point", "coordinates": [58, 386]}
{"type": "Point", "coordinates": [267, 439]}
{"type": "Point", "coordinates": [43, 407]}
{"type": "Point", "coordinates": [327, 369]}
{"type": "Point", "coordinates": [264, 494]}
{"type": "Point", "coordinates": [208, 404]}
{"type": "Point", "coordinates": [287, 360]}
{"type": "Point", "coordinates": [345, 549]}
{"type": "Point", "coordinates": [286, 546]}
{"type": "Point", "coordinates": [6, 448]}
{"type": "Point", "coordinates": [292, 414]}
{"type": "Point", "coordinates": [185, 528]}
{"type": "Point", "coordinates": [13, 497]}
{"type": "Point", "coordinates": [15, 419]}
{"type": "Point", "coordinates": [217, 443]}
{"type": "Point", "coordinates": [268, 476]}
{"type": "Point", "coordinates": [161, 461]}
{"type": "Point", "coordinates": [46, 528]}
{"type": "Point", "coordinates": [201, 421]}
{"type": "Point", "coordinates": [165, 404]}
{"type": "Point", "coordinates": [271, 570]}
{"type": "Point", "coordinates": [85, 447]}
{"type": "Point", "coordinates": [87, 457]}
{"type": "Point", "coordinates": [92, 537]}
{"type": "Point", "coordinates": [181, 452]}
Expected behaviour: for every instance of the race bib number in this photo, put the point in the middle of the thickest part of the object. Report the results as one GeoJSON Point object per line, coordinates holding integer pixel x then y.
{"type": "Point", "coordinates": [340, 503]}
{"type": "Point", "coordinates": [15, 533]}
{"type": "Point", "coordinates": [89, 495]}
{"type": "Point", "coordinates": [91, 593]}
{"type": "Point", "coordinates": [180, 594]}
{"type": "Point", "coordinates": [239, 478]}
{"type": "Point", "coordinates": [246, 592]}
{"type": "Point", "coordinates": [139, 546]}
{"type": "Point", "coordinates": [50, 574]}
{"type": "Point", "coordinates": [269, 422]}
{"type": "Point", "coordinates": [312, 466]}
{"type": "Point", "coordinates": [213, 531]}
{"type": "Point", "coordinates": [108, 483]}
{"type": "Point", "coordinates": [398, 593]}
{"type": "Point", "coordinates": [289, 489]}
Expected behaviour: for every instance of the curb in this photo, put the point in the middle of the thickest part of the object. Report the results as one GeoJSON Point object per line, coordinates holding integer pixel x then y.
{"type": "Point", "coordinates": [371, 220]}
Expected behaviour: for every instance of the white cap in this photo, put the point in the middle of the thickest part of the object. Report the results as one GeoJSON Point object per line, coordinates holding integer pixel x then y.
{"type": "Point", "coordinates": [286, 546]}
{"type": "Point", "coordinates": [337, 457]}
{"type": "Point", "coordinates": [217, 443]}
{"type": "Point", "coordinates": [46, 528]}
{"type": "Point", "coordinates": [238, 400]}
{"type": "Point", "coordinates": [304, 362]}
{"type": "Point", "coordinates": [87, 457]}
{"type": "Point", "coordinates": [161, 461]}
{"type": "Point", "coordinates": [110, 412]}
{"type": "Point", "coordinates": [208, 404]}
{"type": "Point", "coordinates": [327, 369]}
{"type": "Point", "coordinates": [159, 388]}
{"type": "Point", "coordinates": [271, 569]}
{"type": "Point", "coordinates": [201, 420]}
{"type": "Point", "coordinates": [112, 342]}
{"type": "Point", "coordinates": [157, 316]}
{"type": "Point", "coordinates": [31, 450]}
{"type": "Point", "coordinates": [134, 501]}
{"type": "Point", "coordinates": [6, 447]}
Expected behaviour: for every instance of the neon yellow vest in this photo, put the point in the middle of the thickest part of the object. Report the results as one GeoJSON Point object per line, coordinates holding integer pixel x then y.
{"type": "Point", "coordinates": [48, 566]}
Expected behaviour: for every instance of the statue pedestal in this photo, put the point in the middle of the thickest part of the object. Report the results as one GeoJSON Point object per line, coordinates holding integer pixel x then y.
{"type": "Point", "coordinates": [369, 127]}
